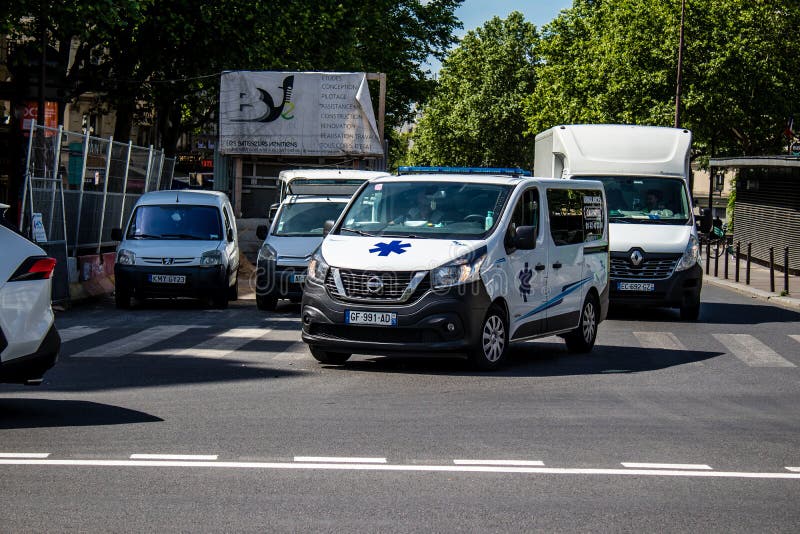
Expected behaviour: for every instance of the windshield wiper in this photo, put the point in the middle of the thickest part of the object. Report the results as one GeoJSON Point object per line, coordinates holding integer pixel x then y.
{"type": "Point", "coordinates": [144, 236]}
{"type": "Point", "coordinates": [182, 236]}
{"type": "Point", "coordinates": [356, 231]}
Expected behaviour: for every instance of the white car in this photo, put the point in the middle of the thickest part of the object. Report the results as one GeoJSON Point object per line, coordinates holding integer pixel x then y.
{"type": "Point", "coordinates": [29, 341]}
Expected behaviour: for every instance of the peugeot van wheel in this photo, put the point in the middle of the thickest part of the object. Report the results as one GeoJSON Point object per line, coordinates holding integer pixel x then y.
{"type": "Point", "coordinates": [583, 337]}
{"type": "Point", "coordinates": [492, 344]}
{"type": "Point", "coordinates": [330, 358]}
{"type": "Point", "coordinates": [122, 298]}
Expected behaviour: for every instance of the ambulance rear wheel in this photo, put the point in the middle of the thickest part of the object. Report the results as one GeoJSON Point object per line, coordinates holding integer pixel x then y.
{"type": "Point", "coordinates": [330, 358]}
{"type": "Point", "coordinates": [492, 345]}
{"type": "Point", "coordinates": [583, 337]}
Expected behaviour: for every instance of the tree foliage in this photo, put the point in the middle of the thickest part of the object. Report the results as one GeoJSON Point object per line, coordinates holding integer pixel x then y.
{"type": "Point", "coordinates": [615, 61]}
{"type": "Point", "coordinates": [475, 116]}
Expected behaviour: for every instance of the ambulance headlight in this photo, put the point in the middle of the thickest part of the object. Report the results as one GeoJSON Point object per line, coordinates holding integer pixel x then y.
{"type": "Point", "coordinates": [691, 255]}
{"type": "Point", "coordinates": [459, 271]}
{"type": "Point", "coordinates": [317, 268]}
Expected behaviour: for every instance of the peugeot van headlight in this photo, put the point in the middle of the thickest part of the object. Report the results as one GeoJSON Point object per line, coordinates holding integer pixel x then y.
{"type": "Point", "coordinates": [267, 253]}
{"type": "Point", "coordinates": [126, 257]}
{"type": "Point", "coordinates": [459, 271]}
{"type": "Point", "coordinates": [690, 256]}
{"type": "Point", "coordinates": [212, 257]}
{"type": "Point", "coordinates": [318, 268]}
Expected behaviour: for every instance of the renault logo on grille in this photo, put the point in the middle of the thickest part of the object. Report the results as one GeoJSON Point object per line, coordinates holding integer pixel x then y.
{"type": "Point", "coordinates": [167, 261]}
{"type": "Point", "coordinates": [636, 258]}
{"type": "Point", "coordinates": [375, 285]}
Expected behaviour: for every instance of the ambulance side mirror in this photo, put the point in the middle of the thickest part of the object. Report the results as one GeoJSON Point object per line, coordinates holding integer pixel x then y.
{"type": "Point", "coordinates": [525, 238]}
{"type": "Point", "coordinates": [327, 227]}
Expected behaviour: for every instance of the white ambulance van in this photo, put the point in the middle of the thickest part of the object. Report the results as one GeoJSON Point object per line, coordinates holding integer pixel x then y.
{"type": "Point", "coordinates": [459, 263]}
{"type": "Point", "coordinates": [655, 254]}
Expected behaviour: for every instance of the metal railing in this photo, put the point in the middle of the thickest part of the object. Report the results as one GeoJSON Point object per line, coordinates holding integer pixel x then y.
{"type": "Point", "coordinates": [78, 187]}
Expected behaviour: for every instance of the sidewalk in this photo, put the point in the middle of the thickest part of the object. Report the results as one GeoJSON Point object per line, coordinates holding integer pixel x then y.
{"type": "Point", "coordinates": [759, 286]}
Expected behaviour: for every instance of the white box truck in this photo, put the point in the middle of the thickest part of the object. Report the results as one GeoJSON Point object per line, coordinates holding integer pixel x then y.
{"type": "Point", "coordinates": [655, 254]}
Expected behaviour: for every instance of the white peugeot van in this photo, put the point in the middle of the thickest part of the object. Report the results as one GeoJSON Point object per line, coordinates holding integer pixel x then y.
{"type": "Point", "coordinates": [463, 264]}
{"type": "Point", "coordinates": [178, 244]}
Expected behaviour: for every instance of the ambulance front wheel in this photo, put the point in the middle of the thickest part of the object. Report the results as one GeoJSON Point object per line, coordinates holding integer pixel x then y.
{"type": "Point", "coordinates": [330, 358]}
{"type": "Point", "coordinates": [582, 338]}
{"type": "Point", "coordinates": [492, 344]}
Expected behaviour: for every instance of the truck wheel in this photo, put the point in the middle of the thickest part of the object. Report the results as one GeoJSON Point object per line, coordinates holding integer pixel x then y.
{"type": "Point", "coordinates": [492, 344]}
{"type": "Point", "coordinates": [330, 358]}
{"type": "Point", "coordinates": [122, 298]}
{"type": "Point", "coordinates": [266, 302]}
{"type": "Point", "coordinates": [691, 311]}
{"type": "Point", "coordinates": [583, 337]}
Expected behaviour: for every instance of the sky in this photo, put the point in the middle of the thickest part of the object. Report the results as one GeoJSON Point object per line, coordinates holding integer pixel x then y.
{"type": "Point", "coordinates": [474, 13]}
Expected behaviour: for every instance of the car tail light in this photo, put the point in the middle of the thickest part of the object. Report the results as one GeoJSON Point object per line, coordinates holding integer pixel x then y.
{"type": "Point", "coordinates": [34, 268]}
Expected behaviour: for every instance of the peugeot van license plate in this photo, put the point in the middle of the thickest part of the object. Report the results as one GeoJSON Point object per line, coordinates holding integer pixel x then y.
{"type": "Point", "coordinates": [166, 279]}
{"type": "Point", "coordinates": [636, 286]}
{"type": "Point", "coordinates": [298, 278]}
{"type": "Point", "coordinates": [371, 318]}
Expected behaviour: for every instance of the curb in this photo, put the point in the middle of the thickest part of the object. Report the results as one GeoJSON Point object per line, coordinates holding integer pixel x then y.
{"type": "Point", "coordinates": [775, 298]}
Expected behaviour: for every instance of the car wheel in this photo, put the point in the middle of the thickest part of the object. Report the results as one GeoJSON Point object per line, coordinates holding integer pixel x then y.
{"type": "Point", "coordinates": [330, 358]}
{"type": "Point", "coordinates": [266, 302]}
{"type": "Point", "coordinates": [233, 291]}
{"type": "Point", "coordinates": [220, 300]}
{"type": "Point", "coordinates": [583, 337]}
{"type": "Point", "coordinates": [690, 312]}
{"type": "Point", "coordinates": [492, 344]}
{"type": "Point", "coordinates": [122, 298]}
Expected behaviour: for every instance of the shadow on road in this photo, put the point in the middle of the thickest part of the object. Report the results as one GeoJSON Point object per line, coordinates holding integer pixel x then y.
{"type": "Point", "coordinates": [139, 370]}
{"type": "Point", "coordinates": [542, 359]}
{"type": "Point", "coordinates": [40, 413]}
{"type": "Point", "coordinates": [710, 313]}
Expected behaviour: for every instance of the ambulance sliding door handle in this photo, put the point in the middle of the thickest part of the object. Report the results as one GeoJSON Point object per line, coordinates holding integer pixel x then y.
{"type": "Point", "coordinates": [557, 265]}
{"type": "Point", "coordinates": [539, 267]}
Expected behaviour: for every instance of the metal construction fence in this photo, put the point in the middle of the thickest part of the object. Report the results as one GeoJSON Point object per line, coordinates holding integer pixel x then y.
{"type": "Point", "coordinates": [78, 187]}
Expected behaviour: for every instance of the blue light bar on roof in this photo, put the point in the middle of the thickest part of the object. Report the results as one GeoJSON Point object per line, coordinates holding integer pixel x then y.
{"type": "Point", "coordinates": [514, 171]}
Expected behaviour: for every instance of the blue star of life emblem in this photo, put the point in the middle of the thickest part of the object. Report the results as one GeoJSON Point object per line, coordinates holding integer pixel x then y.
{"type": "Point", "coordinates": [525, 276]}
{"type": "Point", "coordinates": [384, 249]}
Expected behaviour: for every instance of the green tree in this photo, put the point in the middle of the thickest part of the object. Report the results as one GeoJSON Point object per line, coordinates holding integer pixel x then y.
{"type": "Point", "coordinates": [615, 61]}
{"type": "Point", "coordinates": [475, 116]}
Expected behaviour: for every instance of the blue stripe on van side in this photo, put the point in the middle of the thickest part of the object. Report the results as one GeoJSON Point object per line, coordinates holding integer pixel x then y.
{"type": "Point", "coordinates": [558, 299]}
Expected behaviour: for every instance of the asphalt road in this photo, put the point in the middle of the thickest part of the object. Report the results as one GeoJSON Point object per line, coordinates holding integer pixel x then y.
{"type": "Point", "coordinates": [665, 426]}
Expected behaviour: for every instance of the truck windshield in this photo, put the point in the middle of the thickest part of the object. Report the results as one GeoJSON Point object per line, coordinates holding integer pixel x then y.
{"type": "Point", "coordinates": [306, 219]}
{"type": "Point", "coordinates": [644, 200]}
{"type": "Point", "coordinates": [436, 209]}
{"type": "Point", "coordinates": [176, 221]}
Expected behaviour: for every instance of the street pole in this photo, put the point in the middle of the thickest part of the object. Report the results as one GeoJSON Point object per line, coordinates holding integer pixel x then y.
{"type": "Point", "coordinates": [680, 69]}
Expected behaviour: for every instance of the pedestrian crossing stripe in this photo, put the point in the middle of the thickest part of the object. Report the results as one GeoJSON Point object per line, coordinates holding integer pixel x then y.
{"type": "Point", "coordinates": [135, 342]}
{"type": "Point", "coordinates": [751, 351]}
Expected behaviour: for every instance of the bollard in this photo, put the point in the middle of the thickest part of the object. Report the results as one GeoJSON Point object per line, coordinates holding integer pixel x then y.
{"type": "Point", "coordinates": [747, 266]}
{"type": "Point", "coordinates": [727, 260]}
{"type": "Point", "coordinates": [708, 257]}
{"type": "Point", "coordinates": [738, 255]}
{"type": "Point", "coordinates": [716, 266]}
{"type": "Point", "coordinates": [772, 269]}
{"type": "Point", "coordinates": [786, 270]}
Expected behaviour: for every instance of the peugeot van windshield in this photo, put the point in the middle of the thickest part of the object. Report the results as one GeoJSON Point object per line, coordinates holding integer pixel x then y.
{"type": "Point", "coordinates": [306, 219]}
{"type": "Point", "coordinates": [643, 200]}
{"type": "Point", "coordinates": [176, 221]}
{"type": "Point", "coordinates": [435, 209]}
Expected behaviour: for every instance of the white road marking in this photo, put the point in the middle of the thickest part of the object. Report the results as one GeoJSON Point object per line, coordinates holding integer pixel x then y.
{"type": "Point", "coordinates": [519, 463]}
{"type": "Point", "coordinates": [40, 455]}
{"type": "Point", "coordinates": [135, 342]}
{"type": "Point", "coordinates": [640, 465]}
{"type": "Point", "coordinates": [340, 459]}
{"type": "Point", "coordinates": [795, 337]}
{"type": "Point", "coordinates": [218, 346]}
{"type": "Point", "coordinates": [177, 457]}
{"type": "Point", "coordinates": [405, 468]}
{"type": "Point", "coordinates": [75, 332]}
{"type": "Point", "coordinates": [664, 341]}
{"type": "Point", "coordinates": [752, 351]}
{"type": "Point", "coordinates": [794, 469]}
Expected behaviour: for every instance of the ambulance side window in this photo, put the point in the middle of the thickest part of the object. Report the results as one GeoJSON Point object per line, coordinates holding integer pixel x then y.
{"type": "Point", "coordinates": [576, 215]}
{"type": "Point", "coordinates": [526, 213]}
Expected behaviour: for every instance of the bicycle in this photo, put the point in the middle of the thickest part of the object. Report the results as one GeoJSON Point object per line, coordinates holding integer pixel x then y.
{"type": "Point", "coordinates": [715, 242]}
